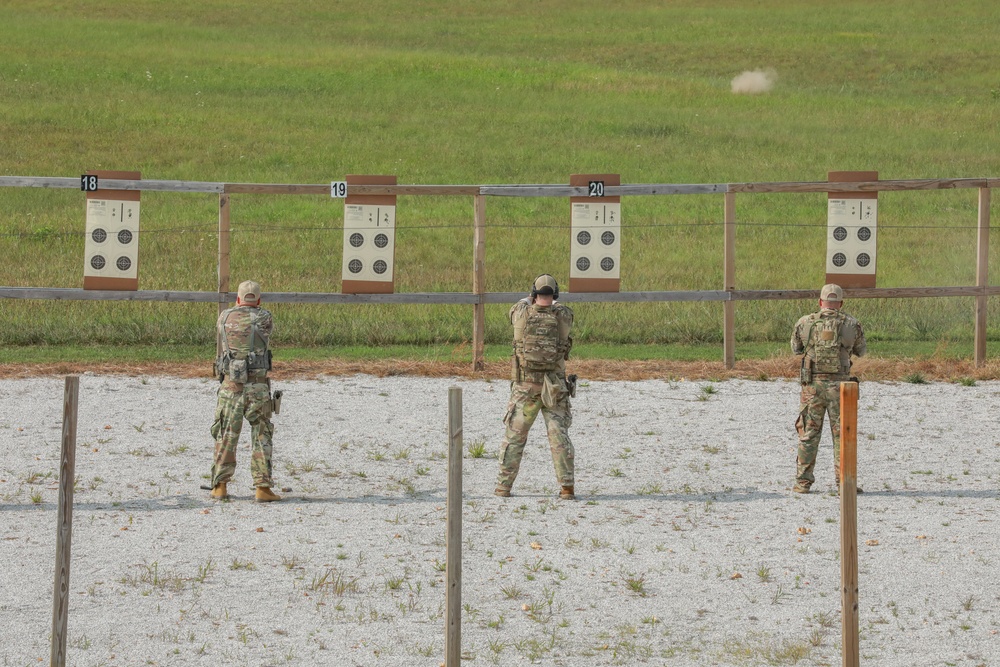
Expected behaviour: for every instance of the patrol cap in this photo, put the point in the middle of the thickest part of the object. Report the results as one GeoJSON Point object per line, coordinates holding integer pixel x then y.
{"type": "Point", "coordinates": [545, 284]}
{"type": "Point", "coordinates": [831, 292]}
{"type": "Point", "coordinates": [249, 292]}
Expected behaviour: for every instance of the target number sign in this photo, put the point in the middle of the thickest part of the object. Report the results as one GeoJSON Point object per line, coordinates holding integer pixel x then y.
{"type": "Point", "coordinates": [595, 188]}
{"type": "Point", "coordinates": [338, 189]}
{"type": "Point", "coordinates": [88, 183]}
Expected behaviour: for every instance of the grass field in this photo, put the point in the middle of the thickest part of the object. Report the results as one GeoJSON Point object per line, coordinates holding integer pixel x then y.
{"type": "Point", "coordinates": [527, 92]}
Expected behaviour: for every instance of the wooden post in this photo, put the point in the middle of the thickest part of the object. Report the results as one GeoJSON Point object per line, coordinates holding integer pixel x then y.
{"type": "Point", "coordinates": [849, 522]}
{"type": "Point", "coordinates": [729, 280]}
{"type": "Point", "coordinates": [223, 262]}
{"type": "Point", "coordinates": [479, 283]}
{"type": "Point", "coordinates": [64, 526]}
{"type": "Point", "coordinates": [453, 596]}
{"type": "Point", "coordinates": [982, 274]}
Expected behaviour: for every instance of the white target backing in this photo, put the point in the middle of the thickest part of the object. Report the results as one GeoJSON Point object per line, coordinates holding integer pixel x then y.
{"type": "Point", "coordinates": [369, 242]}
{"type": "Point", "coordinates": [851, 235]}
{"type": "Point", "coordinates": [596, 249]}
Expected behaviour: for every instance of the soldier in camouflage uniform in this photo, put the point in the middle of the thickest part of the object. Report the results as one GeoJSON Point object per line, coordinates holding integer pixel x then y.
{"type": "Point", "coordinates": [826, 339]}
{"type": "Point", "coordinates": [245, 392]}
{"type": "Point", "coordinates": [542, 341]}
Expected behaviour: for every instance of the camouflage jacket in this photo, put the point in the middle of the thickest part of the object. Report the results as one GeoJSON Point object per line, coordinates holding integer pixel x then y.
{"type": "Point", "coordinates": [518, 314]}
{"type": "Point", "coordinates": [852, 336]}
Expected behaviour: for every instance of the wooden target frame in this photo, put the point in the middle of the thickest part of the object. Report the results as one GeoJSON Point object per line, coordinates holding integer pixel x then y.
{"type": "Point", "coordinates": [362, 244]}
{"type": "Point", "coordinates": [112, 235]}
{"type": "Point", "coordinates": [590, 250]}
{"type": "Point", "coordinates": [849, 244]}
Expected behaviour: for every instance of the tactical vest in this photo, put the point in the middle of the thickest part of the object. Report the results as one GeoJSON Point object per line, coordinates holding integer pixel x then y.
{"type": "Point", "coordinates": [537, 348]}
{"type": "Point", "coordinates": [823, 343]}
{"type": "Point", "coordinates": [250, 360]}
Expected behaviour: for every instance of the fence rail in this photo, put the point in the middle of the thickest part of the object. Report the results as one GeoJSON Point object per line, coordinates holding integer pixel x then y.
{"type": "Point", "coordinates": [471, 298]}
{"type": "Point", "coordinates": [479, 297]}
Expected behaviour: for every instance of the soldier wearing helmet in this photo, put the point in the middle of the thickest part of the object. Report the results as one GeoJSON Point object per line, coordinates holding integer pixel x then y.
{"type": "Point", "coordinates": [244, 393]}
{"type": "Point", "coordinates": [826, 340]}
{"type": "Point", "coordinates": [542, 341]}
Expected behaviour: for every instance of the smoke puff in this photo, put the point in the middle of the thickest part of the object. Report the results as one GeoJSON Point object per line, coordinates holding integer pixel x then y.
{"type": "Point", "coordinates": [757, 81]}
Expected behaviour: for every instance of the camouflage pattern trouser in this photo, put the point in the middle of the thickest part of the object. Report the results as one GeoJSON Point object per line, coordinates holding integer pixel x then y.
{"type": "Point", "coordinates": [254, 403]}
{"type": "Point", "coordinates": [524, 406]}
{"type": "Point", "coordinates": [818, 398]}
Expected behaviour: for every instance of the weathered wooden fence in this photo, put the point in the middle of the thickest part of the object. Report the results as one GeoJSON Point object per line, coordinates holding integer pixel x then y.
{"type": "Point", "coordinates": [478, 298]}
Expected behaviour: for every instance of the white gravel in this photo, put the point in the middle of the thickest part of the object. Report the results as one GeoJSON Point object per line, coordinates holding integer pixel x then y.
{"type": "Point", "coordinates": [679, 489]}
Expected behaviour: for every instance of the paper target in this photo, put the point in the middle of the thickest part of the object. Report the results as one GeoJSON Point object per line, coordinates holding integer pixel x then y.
{"type": "Point", "coordinates": [111, 248]}
{"type": "Point", "coordinates": [369, 242]}
{"type": "Point", "coordinates": [595, 250]}
{"type": "Point", "coordinates": [850, 244]}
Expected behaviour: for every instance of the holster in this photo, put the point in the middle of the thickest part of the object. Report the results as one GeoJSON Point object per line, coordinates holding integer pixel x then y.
{"type": "Point", "coordinates": [571, 385]}
{"type": "Point", "coordinates": [276, 402]}
{"type": "Point", "coordinates": [805, 371]}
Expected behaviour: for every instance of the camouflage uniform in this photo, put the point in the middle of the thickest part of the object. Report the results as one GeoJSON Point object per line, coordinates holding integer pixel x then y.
{"type": "Point", "coordinates": [250, 400]}
{"type": "Point", "coordinates": [526, 402]}
{"type": "Point", "coordinates": [822, 394]}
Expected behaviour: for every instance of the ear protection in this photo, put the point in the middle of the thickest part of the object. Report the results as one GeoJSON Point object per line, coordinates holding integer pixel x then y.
{"type": "Point", "coordinates": [546, 281]}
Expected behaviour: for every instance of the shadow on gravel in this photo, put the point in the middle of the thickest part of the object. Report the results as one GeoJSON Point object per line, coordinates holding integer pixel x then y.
{"type": "Point", "coordinates": [943, 493]}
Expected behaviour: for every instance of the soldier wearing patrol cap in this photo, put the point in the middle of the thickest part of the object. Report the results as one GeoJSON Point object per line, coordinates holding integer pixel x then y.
{"type": "Point", "coordinates": [244, 393]}
{"type": "Point", "coordinates": [826, 340]}
{"type": "Point", "coordinates": [542, 341]}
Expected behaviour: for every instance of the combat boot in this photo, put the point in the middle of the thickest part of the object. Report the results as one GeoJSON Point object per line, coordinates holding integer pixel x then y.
{"type": "Point", "coordinates": [801, 487]}
{"type": "Point", "coordinates": [567, 493]}
{"type": "Point", "coordinates": [264, 494]}
{"type": "Point", "coordinates": [502, 492]}
{"type": "Point", "coordinates": [219, 491]}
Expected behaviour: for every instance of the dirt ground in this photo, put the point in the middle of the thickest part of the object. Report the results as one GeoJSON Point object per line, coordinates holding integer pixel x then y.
{"type": "Point", "coordinates": [872, 369]}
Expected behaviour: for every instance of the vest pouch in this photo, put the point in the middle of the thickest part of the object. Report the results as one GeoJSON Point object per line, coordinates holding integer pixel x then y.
{"type": "Point", "coordinates": [805, 372]}
{"type": "Point", "coordinates": [238, 371]}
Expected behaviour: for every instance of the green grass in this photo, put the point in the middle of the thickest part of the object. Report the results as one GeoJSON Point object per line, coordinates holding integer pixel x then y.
{"type": "Point", "coordinates": [451, 92]}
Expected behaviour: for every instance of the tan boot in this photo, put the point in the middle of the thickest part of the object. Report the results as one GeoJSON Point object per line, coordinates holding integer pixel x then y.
{"type": "Point", "coordinates": [264, 494]}
{"type": "Point", "coordinates": [567, 493]}
{"type": "Point", "coordinates": [219, 491]}
{"type": "Point", "coordinates": [502, 492]}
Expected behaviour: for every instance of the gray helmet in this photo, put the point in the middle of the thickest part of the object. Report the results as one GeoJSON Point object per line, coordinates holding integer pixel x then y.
{"type": "Point", "coordinates": [545, 284]}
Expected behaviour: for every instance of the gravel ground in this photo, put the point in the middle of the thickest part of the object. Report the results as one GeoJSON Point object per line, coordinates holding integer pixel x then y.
{"type": "Point", "coordinates": [686, 546]}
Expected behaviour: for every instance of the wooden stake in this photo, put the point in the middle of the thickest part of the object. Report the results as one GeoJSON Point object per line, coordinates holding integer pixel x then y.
{"type": "Point", "coordinates": [64, 526]}
{"type": "Point", "coordinates": [729, 280]}
{"type": "Point", "coordinates": [479, 283]}
{"type": "Point", "coordinates": [849, 522]}
{"type": "Point", "coordinates": [982, 274]}
{"type": "Point", "coordinates": [453, 596]}
{"type": "Point", "coordinates": [223, 263]}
